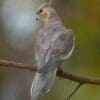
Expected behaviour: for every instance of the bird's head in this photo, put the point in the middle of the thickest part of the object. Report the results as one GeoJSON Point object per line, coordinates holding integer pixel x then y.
{"type": "Point", "coordinates": [45, 12]}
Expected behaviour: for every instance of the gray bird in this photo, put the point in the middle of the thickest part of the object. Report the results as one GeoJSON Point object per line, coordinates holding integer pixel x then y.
{"type": "Point", "coordinates": [54, 43]}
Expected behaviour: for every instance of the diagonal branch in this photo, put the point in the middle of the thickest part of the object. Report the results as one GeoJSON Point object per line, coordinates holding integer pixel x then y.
{"type": "Point", "coordinates": [75, 90]}
{"type": "Point", "coordinates": [78, 78]}
{"type": "Point", "coordinates": [13, 64]}
{"type": "Point", "coordinates": [60, 73]}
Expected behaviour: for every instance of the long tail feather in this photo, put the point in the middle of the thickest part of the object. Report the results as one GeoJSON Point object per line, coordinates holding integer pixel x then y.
{"type": "Point", "coordinates": [42, 83]}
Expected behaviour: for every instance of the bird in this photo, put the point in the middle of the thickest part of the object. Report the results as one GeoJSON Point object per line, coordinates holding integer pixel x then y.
{"type": "Point", "coordinates": [54, 44]}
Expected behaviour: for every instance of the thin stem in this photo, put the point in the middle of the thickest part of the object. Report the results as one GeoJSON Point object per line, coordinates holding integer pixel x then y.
{"type": "Point", "coordinates": [75, 90]}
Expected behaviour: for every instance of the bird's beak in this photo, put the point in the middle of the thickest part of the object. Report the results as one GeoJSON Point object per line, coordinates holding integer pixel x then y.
{"type": "Point", "coordinates": [37, 18]}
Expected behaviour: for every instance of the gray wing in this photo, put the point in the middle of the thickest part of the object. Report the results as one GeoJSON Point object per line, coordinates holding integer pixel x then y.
{"type": "Point", "coordinates": [63, 45]}
{"type": "Point", "coordinates": [42, 48]}
{"type": "Point", "coordinates": [59, 49]}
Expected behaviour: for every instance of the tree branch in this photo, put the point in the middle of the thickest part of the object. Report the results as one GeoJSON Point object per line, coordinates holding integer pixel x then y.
{"type": "Point", "coordinates": [60, 73]}
{"type": "Point", "coordinates": [78, 78]}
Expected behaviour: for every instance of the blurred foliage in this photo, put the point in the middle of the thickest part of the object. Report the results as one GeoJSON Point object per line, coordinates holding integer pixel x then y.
{"type": "Point", "coordinates": [83, 17]}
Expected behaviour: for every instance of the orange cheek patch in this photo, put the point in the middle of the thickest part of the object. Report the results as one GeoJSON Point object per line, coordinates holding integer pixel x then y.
{"type": "Point", "coordinates": [45, 14]}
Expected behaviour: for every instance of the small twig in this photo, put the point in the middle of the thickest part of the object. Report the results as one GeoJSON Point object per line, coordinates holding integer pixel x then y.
{"type": "Point", "coordinates": [13, 64]}
{"type": "Point", "coordinates": [75, 90]}
{"type": "Point", "coordinates": [78, 78]}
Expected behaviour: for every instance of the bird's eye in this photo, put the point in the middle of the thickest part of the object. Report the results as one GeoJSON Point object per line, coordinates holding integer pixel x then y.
{"type": "Point", "coordinates": [40, 10]}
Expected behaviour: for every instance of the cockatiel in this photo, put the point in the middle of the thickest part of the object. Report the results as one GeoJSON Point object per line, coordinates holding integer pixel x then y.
{"type": "Point", "coordinates": [54, 43]}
